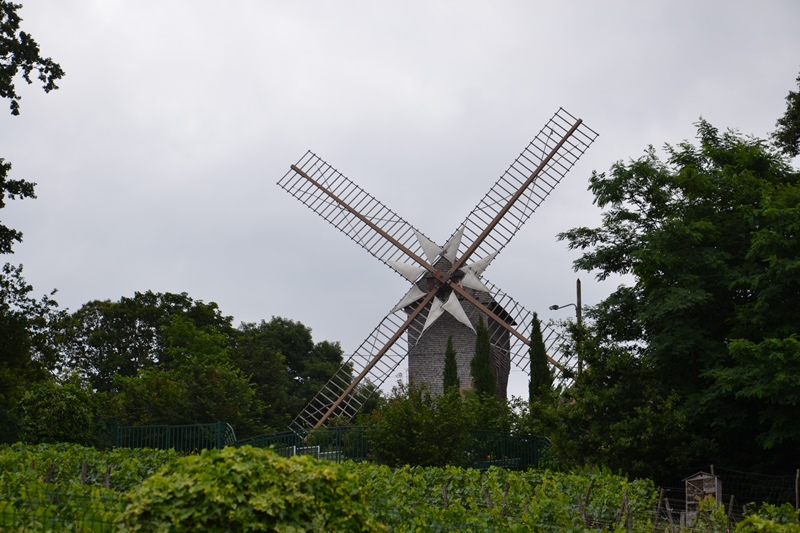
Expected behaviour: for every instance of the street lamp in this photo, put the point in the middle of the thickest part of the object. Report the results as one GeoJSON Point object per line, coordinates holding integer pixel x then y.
{"type": "Point", "coordinates": [577, 307]}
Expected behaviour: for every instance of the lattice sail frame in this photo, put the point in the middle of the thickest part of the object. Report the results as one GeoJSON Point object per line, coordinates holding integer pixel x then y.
{"type": "Point", "coordinates": [324, 190]}
{"type": "Point", "coordinates": [516, 175]}
{"type": "Point", "coordinates": [346, 221]}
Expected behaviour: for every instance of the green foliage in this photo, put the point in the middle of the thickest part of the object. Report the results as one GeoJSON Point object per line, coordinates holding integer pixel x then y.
{"type": "Point", "coordinates": [416, 427]}
{"type": "Point", "coordinates": [452, 498]}
{"type": "Point", "coordinates": [481, 366]}
{"type": "Point", "coordinates": [450, 367]}
{"type": "Point", "coordinates": [618, 416]}
{"type": "Point", "coordinates": [419, 428]}
{"type": "Point", "coordinates": [62, 464]}
{"type": "Point", "coordinates": [240, 489]}
{"type": "Point", "coordinates": [309, 365]}
{"type": "Point", "coordinates": [711, 517]}
{"type": "Point", "coordinates": [53, 412]}
{"type": "Point", "coordinates": [709, 238]}
{"type": "Point", "coordinates": [40, 506]}
{"type": "Point", "coordinates": [541, 383]}
{"type": "Point", "coordinates": [26, 344]}
{"type": "Point", "coordinates": [487, 412]}
{"type": "Point", "coordinates": [771, 519]}
{"type": "Point", "coordinates": [199, 384]}
{"type": "Point", "coordinates": [62, 487]}
{"type": "Point", "coordinates": [756, 524]}
{"type": "Point", "coordinates": [251, 489]}
{"type": "Point", "coordinates": [105, 339]}
{"type": "Point", "coordinates": [787, 135]}
{"type": "Point", "coordinates": [285, 365]}
{"type": "Point", "coordinates": [265, 366]}
{"type": "Point", "coordinates": [11, 189]}
{"type": "Point", "coordinates": [23, 319]}
{"type": "Point", "coordinates": [19, 52]}
{"type": "Point", "coordinates": [767, 373]}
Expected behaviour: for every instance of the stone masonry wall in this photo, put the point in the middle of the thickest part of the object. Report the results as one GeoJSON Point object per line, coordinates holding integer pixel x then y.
{"type": "Point", "coordinates": [426, 355]}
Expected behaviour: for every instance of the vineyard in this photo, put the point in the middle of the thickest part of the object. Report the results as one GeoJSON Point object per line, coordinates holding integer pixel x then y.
{"type": "Point", "coordinates": [73, 488]}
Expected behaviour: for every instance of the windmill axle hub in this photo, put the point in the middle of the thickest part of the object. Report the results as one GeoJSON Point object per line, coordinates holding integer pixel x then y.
{"type": "Point", "coordinates": [442, 277]}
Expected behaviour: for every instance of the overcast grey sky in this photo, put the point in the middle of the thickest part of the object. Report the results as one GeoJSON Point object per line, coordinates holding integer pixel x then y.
{"type": "Point", "coordinates": [157, 159]}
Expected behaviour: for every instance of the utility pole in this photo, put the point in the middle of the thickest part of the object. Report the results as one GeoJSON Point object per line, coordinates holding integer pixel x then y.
{"type": "Point", "coordinates": [579, 317]}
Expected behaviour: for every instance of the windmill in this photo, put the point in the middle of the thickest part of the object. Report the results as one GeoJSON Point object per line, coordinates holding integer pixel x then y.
{"type": "Point", "coordinates": [447, 291]}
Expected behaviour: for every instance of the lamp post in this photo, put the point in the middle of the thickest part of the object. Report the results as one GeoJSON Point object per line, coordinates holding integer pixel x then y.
{"type": "Point", "coordinates": [577, 306]}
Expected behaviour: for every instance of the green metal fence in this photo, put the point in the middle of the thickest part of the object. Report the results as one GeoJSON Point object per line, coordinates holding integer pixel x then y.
{"type": "Point", "coordinates": [496, 448]}
{"type": "Point", "coordinates": [335, 444]}
{"type": "Point", "coordinates": [183, 438]}
{"type": "Point", "coordinates": [482, 450]}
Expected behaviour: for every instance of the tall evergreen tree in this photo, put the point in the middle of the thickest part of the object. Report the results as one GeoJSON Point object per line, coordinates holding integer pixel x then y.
{"type": "Point", "coordinates": [450, 367]}
{"type": "Point", "coordinates": [481, 367]}
{"type": "Point", "coordinates": [541, 373]}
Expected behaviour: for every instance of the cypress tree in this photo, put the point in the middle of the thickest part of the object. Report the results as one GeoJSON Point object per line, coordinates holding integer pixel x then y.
{"type": "Point", "coordinates": [450, 367]}
{"type": "Point", "coordinates": [481, 365]}
{"type": "Point", "coordinates": [541, 374]}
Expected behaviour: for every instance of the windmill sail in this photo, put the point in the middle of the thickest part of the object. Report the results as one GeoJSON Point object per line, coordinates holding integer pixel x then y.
{"type": "Point", "coordinates": [354, 212]}
{"type": "Point", "coordinates": [520, 170]}
{"type": "Point", "coordinates": [384, 368]}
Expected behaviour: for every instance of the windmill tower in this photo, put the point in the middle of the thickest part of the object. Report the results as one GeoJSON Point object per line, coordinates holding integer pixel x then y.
{"type": "Point", "coordinates": [447, 291]}
{"type": "Point", "coordinates": [426, 353]}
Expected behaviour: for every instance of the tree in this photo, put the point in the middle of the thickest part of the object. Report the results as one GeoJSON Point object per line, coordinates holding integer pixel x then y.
{"type": "Point", "coordinates": [618, 417]}
{"type": "Point", "coordinates": [416, 427]}
{"type": "Point", "coordinates": [541, 382]}
{"type": "Point", "coordinates": [53, 412]}
{"type": "Point", "coordinates": [23, 319]}
{"type": "Point", "coordinates": [710, 239]}
{"type": "Point", "coordinates": [18, 52]}
{"type": "Point", "coordinates": [481, 366]}
{"type": "Point", "coordinates": [787, 135]}
{"type": "Point", "coordinates": [197, 384]}
{"type": "Point", "coordinates": [26, 343]}
{"type": "Point", "coordinates": [450, 367]}
{"type": "Point", "coordinates": [309, 365]}
{"type": "Point", "coordinates": [12, 190]}
{"type": "Point", "coordinates": [254, 354]}
{"type": "Point", "coordinates": [104, 339]}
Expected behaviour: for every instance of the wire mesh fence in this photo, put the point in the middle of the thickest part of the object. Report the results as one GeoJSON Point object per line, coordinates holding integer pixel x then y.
{"type": "Point", "coordinates": [35, 509]}
{"type": "Point", "coordinates": [739, 492]}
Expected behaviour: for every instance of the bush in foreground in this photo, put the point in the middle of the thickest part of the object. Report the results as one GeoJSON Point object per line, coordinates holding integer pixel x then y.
{"type": "Point", "coordinates": [249, 489]}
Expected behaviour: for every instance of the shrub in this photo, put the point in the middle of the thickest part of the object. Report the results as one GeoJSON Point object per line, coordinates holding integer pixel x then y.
{"type": "Point", "coordinates": [771, 519]}
{"type": "Point", "coordinates": [52, 412]}
{"type": "Point", "coordinates": [417, 427]}
{"type": "Point", "coordinates": [249, 489]}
